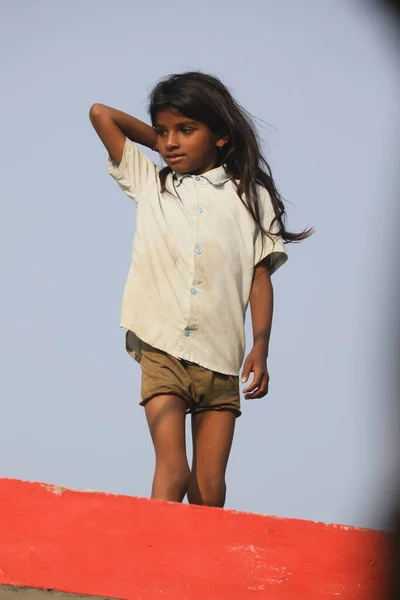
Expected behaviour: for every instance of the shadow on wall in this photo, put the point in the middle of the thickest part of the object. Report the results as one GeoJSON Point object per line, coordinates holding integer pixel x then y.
{"type": "Point", "coordinates": [392, 10]}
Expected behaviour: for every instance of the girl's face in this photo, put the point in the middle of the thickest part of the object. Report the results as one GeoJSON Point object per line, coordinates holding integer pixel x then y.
{"type": "Point", "coordinates": [186, 145]}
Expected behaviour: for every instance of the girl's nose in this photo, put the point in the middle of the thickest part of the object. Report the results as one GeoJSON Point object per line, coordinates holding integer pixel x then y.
{"type": "Point", "coordinates": [172, 142]}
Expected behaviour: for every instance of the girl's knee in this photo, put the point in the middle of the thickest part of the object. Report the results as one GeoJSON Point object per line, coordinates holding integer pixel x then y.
{"type": "Point", "coordinates": [208, 491]}
{"type": "Point", "coordinates": [174, 475]}
{"type": "Point", "coordinates": [180, 476]}
{"type": "Point", "coordinates": [214, 492]}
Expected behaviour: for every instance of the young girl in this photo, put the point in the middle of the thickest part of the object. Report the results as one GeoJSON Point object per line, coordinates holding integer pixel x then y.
{"type": "Point", "coordinates": [210, 231]}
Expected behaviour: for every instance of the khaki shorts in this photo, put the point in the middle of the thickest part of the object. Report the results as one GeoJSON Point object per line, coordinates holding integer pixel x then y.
{"type": "Point", "coordinates": [202, 388]}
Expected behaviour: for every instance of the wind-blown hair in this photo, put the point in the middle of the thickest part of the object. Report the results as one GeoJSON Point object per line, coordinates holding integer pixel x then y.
{"type": "Point", "coordinates": [204, 98]}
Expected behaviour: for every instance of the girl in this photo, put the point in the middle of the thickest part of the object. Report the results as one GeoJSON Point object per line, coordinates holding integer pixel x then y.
{"type": "Point", "coordinates": [210, 231]}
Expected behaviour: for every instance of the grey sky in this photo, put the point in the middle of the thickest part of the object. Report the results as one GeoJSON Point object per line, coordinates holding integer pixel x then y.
{"type": "Point", "coordinates": [323, 74]}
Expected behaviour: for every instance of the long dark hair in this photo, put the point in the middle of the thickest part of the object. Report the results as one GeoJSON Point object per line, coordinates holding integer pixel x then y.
{"type": "Point", "coordinates": [204, 98]}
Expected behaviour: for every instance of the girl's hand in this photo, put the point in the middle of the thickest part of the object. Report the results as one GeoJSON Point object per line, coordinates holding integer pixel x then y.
{"type": "Point", "coordinates": [255, 363]}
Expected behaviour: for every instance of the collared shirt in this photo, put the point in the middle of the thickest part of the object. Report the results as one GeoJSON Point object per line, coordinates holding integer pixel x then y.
{"type": "Point", "coordinates": [194, 253]}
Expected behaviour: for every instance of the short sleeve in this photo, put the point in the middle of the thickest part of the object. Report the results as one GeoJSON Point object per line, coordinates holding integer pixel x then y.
{"type": "Point", "coordinates": [274, 248]}
{"type": "Point", "coordinates": [135, 173]}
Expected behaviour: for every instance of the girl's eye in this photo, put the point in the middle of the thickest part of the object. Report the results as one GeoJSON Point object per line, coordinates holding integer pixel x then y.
{"type": "Point", "coordinates": [186, 130]}
{"type": "Point", "coordinates": [160, 132]}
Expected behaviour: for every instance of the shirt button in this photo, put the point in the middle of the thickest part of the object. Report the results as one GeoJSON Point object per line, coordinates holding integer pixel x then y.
{"type": "Point", "coordinates": [200, 209]}
{"type": "Point", "coordinates": [194, 292]}
{"type": "Point", "coordinates": [198, 250]}
{"type": "Point", "coordinates": [186, 333]}
{"type": "Point", "coordinates": [197, 178]}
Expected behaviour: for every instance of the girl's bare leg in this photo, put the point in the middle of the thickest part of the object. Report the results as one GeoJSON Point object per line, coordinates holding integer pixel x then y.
{"type": "Point", "coordinates": [212, 440]}
{"type": "Point", "coordinates": [166, 419]}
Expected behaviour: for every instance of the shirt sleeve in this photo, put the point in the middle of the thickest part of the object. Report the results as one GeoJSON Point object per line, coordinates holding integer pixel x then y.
{"type": "Point", "coordinates": [135, 173]}
{"type": "Point", "coordinates": [274, 248]}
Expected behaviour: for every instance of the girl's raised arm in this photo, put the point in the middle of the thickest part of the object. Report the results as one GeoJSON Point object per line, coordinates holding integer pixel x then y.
{"type": "Point", "coordinates": [113, 126]}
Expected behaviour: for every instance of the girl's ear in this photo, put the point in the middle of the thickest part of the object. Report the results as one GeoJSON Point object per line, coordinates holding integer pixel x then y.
{"type": "Point", "coordinates": [222, 141]}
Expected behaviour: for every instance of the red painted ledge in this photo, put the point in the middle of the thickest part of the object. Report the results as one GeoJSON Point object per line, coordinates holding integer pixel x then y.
{"type": "Point", "coordinates": [136, 549]}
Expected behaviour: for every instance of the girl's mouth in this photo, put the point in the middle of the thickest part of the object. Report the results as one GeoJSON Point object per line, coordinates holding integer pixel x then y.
{"type": "Point", "coordinates": [175, 158]}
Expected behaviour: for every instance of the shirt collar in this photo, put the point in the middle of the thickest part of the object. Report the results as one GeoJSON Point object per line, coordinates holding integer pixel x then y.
{"type": "Point", "coordinates": [216, 176]}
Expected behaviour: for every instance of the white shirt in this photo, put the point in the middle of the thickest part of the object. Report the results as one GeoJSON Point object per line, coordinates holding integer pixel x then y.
{"type": "Point", "coordinates": [193, 260]}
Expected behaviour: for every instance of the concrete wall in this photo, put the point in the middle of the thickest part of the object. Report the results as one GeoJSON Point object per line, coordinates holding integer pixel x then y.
{"type": "Point", "coordinates": [137, 549]}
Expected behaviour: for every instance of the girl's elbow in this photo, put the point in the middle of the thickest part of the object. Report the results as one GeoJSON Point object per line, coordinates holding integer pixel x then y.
{"type": "Point", "coordinates": [96, 110]}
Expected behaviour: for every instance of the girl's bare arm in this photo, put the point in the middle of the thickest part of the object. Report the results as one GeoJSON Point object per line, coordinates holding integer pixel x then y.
{"type": "Point", "coordinates": [261, 302]}
{"type": "Point", "coordinates": [262, 305]}
{"type": "Point", "coordinates": [113, 126]}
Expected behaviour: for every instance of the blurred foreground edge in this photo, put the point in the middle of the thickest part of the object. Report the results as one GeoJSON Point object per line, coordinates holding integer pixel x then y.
{"type": "Point", "coordinates": [131, 548]}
